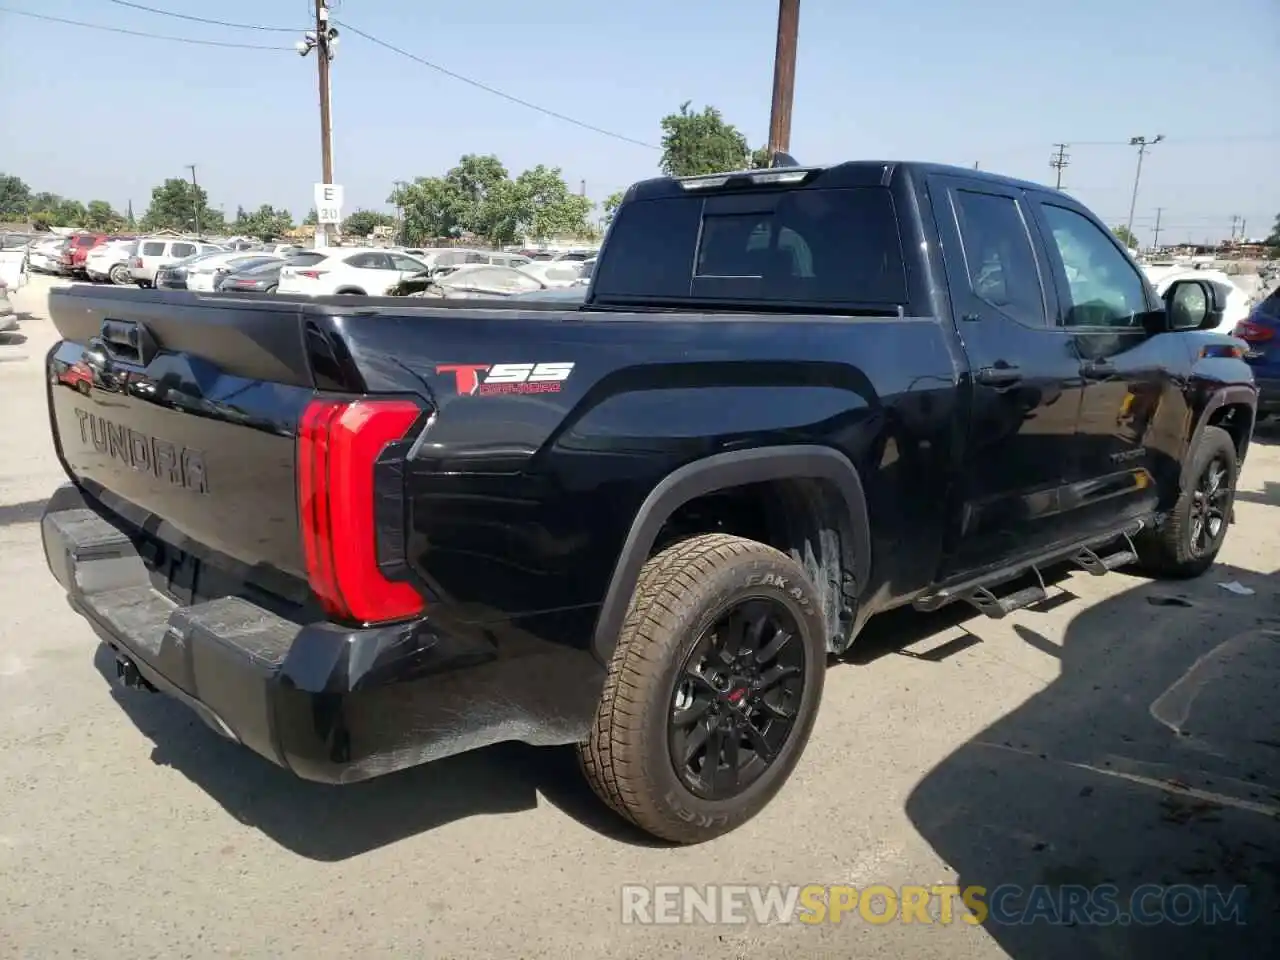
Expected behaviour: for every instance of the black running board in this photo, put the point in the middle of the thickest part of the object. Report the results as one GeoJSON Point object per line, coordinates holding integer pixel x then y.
{"type": "Point", "coordinates": [981, 592]}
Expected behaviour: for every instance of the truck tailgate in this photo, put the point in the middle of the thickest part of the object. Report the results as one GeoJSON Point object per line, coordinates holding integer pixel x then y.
{"type": "Point", "coordinates": [183, 417]}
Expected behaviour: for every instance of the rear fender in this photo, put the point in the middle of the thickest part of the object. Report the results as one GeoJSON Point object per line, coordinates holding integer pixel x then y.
{"type": "Point", "coordinates": [719, 472]}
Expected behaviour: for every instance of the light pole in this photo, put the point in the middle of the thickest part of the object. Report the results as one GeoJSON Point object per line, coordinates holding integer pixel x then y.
{"type": "Point", "coordinates": [1141, 143]}
{"type": "Point", "coordinates": [324, 39]}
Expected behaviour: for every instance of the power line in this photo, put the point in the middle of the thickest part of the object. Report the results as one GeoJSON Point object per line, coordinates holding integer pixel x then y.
{"type": "Point", "coordinates": [140, 33]}
{"type": "Point", "coordinates": [187, 16]}
{"type": "Point", "coordinates": [494, 90]}
{"type": "Point", "coordinates": [1183, 141]}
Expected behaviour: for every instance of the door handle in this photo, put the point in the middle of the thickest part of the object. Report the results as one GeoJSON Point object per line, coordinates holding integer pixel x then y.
{"type": "Point", "coordinates": [1001, 375]}
{"type": "Point", "coordinates": [1097, 370]}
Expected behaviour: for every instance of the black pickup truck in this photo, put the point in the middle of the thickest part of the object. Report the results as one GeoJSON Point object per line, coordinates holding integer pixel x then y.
{"type": "Point", "coordinates": [358, 534]}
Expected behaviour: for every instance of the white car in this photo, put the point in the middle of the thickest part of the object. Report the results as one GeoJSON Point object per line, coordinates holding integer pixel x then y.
{"type": "Point", "coordinates": [110, 261]}
{"type": "Point", "coordinates": [368, 272]}
{"type": "Point", "coordinates": [206, 272]}
{"type": "Point", "coordinates": [555, 273]}
{"type": "Point", "coordinates": [156, 252]}
{"type": "Point", "coordinates": [8, 322]}
{"type": "Point", "coordinates": [43, 256]}
{"type": "Point", "coordinates": [13, 262]}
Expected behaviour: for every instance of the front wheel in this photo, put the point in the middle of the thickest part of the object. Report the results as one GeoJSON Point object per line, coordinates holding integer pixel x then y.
{"type": "Point", "coordinates": [1188, 542]}
{"type": "Point", "coordinates": [712, 691]}
{"type": "Point", "coordinates": [120, 275]}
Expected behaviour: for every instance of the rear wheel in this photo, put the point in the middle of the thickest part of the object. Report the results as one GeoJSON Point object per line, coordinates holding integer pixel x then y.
{"type": "Point", "coordinates": [712, 691]}
{"type": "Point", "coordinates": [119, 275]}
{"type": "Point", "coordinates": [1188, 542]}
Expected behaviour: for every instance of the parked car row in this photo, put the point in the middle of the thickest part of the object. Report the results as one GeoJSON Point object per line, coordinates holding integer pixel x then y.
{"type": "Point", "coordinates": [184, 263]}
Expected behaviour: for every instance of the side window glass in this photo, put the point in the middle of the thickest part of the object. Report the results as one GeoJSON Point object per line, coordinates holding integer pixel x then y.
{"type": "Point", "coordinates": [183, 249]}
{"type": "Point", "coordinates": [1105, 288]}
{"type": "Point", "coordinates": [361, 261]}
{"type": "Point", "coordinates": [998, 255]}
{"type": "Point", "coordinates": [407, 264]}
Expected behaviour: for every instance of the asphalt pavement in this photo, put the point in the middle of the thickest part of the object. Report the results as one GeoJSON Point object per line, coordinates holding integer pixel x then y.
{"type": "Point", "coordinates": [1123, 735]}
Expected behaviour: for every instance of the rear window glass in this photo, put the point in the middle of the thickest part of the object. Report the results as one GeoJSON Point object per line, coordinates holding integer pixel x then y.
{"type": "Point", "coordinates": [305, 259]}
{"type": "Point", "coordinates": [837, 246]}
{"type": "Point", "coordinates": [152, 249]}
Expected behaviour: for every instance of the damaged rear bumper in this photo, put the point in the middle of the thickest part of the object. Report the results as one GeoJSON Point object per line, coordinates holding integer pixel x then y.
{"type": "Point", "coordinates": [330, 703]}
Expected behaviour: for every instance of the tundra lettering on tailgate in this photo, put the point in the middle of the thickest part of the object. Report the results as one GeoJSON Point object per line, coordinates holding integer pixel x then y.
{"type": "Point", "coordinates": [488, 379]}
{"type": "Point", "coordinates": [163, 459]}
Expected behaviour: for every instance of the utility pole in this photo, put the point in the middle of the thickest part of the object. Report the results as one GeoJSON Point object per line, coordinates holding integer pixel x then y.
{"type": "Point", "coordinates": [398, 198]}
{"type": "Point", "coordinates": [195, 197]}
{"type": "Point", "coordinates": [1156, 239]}
{"type": "Point", "coordinates": [1059, 161]}
{"type": "Point", "coordinates": [324, 40]}
{"type": "Point", "coordinates": [784, 77]}
{"type": "Point", "coordinates": [1141, 143]}
{"type": "Point", "coordinates": [1234, 219]}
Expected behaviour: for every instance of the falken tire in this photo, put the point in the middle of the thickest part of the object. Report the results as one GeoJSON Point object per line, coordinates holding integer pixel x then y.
{"type": "Point", "coordinates": [680, 594]}
{"type": "Point", "coordinates": [1169, 552]}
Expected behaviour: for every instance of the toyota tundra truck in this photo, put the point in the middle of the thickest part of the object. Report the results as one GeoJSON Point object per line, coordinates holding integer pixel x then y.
{"type": "Point", "coordinates": [356, 534]}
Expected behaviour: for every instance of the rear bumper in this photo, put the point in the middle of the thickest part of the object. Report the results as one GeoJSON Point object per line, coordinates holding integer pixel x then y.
{"type": "Point", "coordinates": [330, 703]}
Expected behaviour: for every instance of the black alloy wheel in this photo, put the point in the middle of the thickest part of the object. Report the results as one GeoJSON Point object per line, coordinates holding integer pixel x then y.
{"type": "Point", "coordinates": [1210, 505]}
{"type": "Point", "coordinates": [736, 698]}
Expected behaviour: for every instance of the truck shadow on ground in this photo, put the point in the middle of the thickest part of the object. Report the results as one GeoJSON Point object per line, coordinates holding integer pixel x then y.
{"type": "Point", "coordinates": [1154, 758]}
{"type": "Point", "coordinates": [333, 823]}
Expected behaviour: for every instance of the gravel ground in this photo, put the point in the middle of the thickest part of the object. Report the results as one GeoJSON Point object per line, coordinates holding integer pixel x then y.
{"type": "Point", "coordinates": [1124, 734]}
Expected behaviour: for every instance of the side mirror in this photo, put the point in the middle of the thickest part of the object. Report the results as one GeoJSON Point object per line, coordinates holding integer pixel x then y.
{"type": "Point", "coordinates": [1192, 305]}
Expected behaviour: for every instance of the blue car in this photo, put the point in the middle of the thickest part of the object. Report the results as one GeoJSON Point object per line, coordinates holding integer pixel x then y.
{"type": "Point", "coordinates": [1261, 330]}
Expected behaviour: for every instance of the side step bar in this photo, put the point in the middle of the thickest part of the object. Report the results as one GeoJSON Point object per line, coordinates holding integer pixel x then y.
{"type": "Point", "coordinates": [1090, 562]}
{"type": "Point", "coordinates": [982, 595]}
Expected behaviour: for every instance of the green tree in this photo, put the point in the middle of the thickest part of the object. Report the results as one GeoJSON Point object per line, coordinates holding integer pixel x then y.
{"type": "Point", "coordinates": [1274, 239]}
{"type": "Point", "coordinates": [45, 202]}
{"type": "Point", "coordinates": [479, 197]}
{"type": "Point", "coordinates": [545, 207]}
{"type": "Point", "coordinates": [1126, 236]}
{"type": "Point", "coordinates": [71, 213]}
{"type": "Point", "coordinates": [702, 143]}
{"type": "Point", "coordinates": [432, 209]}
{"type": "Point", "coordinates": [610, 207]}
{"type": "Point", "coordinates": [312, 218]}
{"type": "Point", "coordinates": [265, 223]}
{"type": "Point", "coordinates": [177, 205]}
{"type": "Point", "coordinates": [99, 215]}
{"type": "Point", "coordinates": [361, 223]}
{"type": "Point", "coordinates": [15, 198]}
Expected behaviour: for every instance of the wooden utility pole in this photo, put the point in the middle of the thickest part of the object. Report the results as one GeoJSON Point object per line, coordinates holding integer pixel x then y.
{"type": "Point", "coordinates": [322, 41]}
{"type": "Point", "coordinates": [784, 76]}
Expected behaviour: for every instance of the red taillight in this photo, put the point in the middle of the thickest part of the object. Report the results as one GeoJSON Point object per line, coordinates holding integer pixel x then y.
{"type": "Point", "coordinates": [1251, 332]}
{"type": "Point", "coordinates": [338, 444]}
{"type": "Point", "coordinates": [136, 262]}
{"type": "Point", "coordinates": [311, 274]}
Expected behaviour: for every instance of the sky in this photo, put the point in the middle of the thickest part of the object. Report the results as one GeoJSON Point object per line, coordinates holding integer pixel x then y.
{"type": "Point", "coordinates": [100, 115]}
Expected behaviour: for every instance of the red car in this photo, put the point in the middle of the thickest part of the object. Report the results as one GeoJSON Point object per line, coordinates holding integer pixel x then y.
{"type": "Point", "coordinates": [76, 251]}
